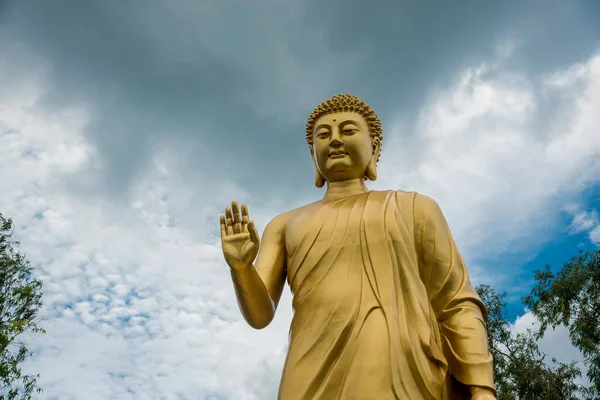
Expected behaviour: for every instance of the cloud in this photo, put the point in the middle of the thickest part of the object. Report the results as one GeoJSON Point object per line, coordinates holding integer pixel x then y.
{"type": "Point", "coordinates": [586, 221]}
{"type": "Point", "coordinates": [555, 343]}
{"type": "Point", "coordinates": [137, 299]}
{"type": "Point", "coordinates": [503, 153]}
{"type": "Point", "coordinates": [189, 71]}
{"type": "Point", "coordinates": [242, 78]}
{"type": "Point", "coordinates": [595, 234]}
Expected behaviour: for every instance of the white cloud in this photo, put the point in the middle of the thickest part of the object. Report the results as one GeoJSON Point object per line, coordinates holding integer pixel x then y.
{"type": "Point", "coordinates": [555, 343]}
{"type": "Point", "coordinates": [584, 221]}
{"type": "Point", "coordinates": [138, 301]}
{"type": "Point", "coordinates": [503, 153]}
{"type": "Point", "coordinates": [595, 234]}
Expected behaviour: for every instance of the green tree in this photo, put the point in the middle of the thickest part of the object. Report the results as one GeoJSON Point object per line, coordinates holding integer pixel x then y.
{"type": "Point", "coordinates": [520, 370]}
{"type": "Point", "coordinates": [20, 301]}
{"type": "Point", "coordinates": [572, 298]}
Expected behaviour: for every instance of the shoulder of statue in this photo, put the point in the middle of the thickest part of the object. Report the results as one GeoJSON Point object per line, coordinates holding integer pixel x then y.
{"type": "Point", "coordinates": [277, 224]}
{"type": "Point", "coordinates": [424, 207]}
{"type": "Point", "coordinates": [283, 218]}
{"type": "Point", "coordinates": [425, 200]}
{"type": "Point", "coordinates": [415, 197]}
{"type": "Point", "coordinates": [298, 210]}
{"type": "Point", "coordinates": [400, 192]}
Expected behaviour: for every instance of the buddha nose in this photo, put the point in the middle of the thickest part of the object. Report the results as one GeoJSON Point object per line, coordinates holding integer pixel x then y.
{"type": "Point", "coordinates": [336, 142]}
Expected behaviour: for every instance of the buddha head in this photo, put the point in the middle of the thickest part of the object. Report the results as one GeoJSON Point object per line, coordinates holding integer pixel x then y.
{"type": "Point", "coordinates": [344, 136]}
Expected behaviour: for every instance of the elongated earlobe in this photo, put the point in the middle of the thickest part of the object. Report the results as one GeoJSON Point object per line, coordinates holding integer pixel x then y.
{"type": "Point", "coordinates": [372, 170]}
{"type": "Point", "coordinates": [319, 180]}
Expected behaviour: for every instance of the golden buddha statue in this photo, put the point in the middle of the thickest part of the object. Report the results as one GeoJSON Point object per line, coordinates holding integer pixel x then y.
{"type": "Point", "coordinates": [383, 305]}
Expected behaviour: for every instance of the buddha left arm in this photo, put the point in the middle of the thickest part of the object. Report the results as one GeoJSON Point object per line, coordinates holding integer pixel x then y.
{"type": "Point", "coordinates": [458, 308]}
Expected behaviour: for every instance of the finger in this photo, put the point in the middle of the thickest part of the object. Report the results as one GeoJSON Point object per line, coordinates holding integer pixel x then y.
{"type": "Point", "coordinates": [237, 223]}
{"type": "Point", "coordinates": [229, 221]}
{"type": "Point", "coordinates": [253, 233]}
{"type": "Point", "coordinates": [223, 226]}
{"type": "Point", "coordinates": [245, 218]}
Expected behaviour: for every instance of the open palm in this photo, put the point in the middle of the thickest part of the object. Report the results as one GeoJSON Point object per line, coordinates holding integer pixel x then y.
{"type": "Point", "coordinates": [239, 238]}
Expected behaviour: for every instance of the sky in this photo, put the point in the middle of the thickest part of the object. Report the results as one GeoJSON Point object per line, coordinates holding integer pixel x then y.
{"type": "Point", "coordinates": [126, 129]}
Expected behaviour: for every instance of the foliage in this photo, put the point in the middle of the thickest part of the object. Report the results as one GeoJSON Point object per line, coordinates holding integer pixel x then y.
{"type": "Point", "coordinates": [572, 298]}
{"type": "Point", "coordinates": [520, 369]}
{"type": "Point", "coordinates": [20, 301]}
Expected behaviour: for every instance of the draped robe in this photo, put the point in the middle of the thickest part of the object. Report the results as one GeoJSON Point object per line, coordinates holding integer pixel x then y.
{"type": "Point", "coordinates": [383, 306]}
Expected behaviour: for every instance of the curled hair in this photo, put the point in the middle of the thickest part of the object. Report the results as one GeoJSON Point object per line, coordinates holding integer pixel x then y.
{"type": "Point", "coordinates": [341, 103]}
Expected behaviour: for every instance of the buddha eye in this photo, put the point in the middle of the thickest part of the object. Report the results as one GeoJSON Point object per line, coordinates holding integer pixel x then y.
{"type": "Point", "coordinates": [349, 130]}
{"type": "Point", "coordinates": [323, 134]}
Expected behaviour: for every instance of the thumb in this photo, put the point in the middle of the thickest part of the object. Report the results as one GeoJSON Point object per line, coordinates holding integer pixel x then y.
{"type": "Point", "coordinates": [253, 233]}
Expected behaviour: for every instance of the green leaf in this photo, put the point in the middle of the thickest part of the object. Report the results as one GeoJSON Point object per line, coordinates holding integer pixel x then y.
{"type": "Point", "coordinates": [20, 301]}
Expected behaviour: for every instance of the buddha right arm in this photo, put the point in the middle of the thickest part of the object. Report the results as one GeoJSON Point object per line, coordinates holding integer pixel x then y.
{"type": "Point", "coordinates": [457, 306]}
{"type": "Point", "coordinates": [258, 289]}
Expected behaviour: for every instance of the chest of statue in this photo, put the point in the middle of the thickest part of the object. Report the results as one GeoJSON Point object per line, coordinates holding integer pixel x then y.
{"type": "Point", "coordinates": [322, 228]}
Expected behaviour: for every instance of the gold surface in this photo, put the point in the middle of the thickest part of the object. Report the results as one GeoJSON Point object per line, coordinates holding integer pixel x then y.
{"type": "Point", "coordinates": [383, 305]}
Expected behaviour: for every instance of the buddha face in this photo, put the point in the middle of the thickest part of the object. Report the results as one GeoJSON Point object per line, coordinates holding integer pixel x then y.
{"type": "Point", "coordinates": [343, 146]}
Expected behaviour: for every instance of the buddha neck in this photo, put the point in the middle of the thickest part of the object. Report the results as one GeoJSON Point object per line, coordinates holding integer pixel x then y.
{"type": "Point", "coordinates": [342, 189]}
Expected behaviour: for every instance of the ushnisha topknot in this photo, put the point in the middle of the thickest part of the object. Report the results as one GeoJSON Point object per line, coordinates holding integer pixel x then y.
{"type": "Point", "coordinates": [340, 103]}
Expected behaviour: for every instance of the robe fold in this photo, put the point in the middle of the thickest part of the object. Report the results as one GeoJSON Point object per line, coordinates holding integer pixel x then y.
{"type": "Point", "coordinates": [383, 306]}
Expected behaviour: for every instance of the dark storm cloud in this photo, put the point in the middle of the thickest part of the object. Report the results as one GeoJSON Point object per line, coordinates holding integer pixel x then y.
{"type": "Point", "coordinates": [406, 48]}
{"type": "Point", "coordinates": [241, 77]}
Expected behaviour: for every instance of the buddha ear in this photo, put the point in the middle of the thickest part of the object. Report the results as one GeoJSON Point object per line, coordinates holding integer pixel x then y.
{"type": "Point", "coordinates": [319, 179]}
{"type": "Point", "coordinates": [372, 166]}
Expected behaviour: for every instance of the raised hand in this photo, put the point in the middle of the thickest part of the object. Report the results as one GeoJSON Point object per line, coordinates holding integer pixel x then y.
{"type": "Point", "coordinates": [239, 238]}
